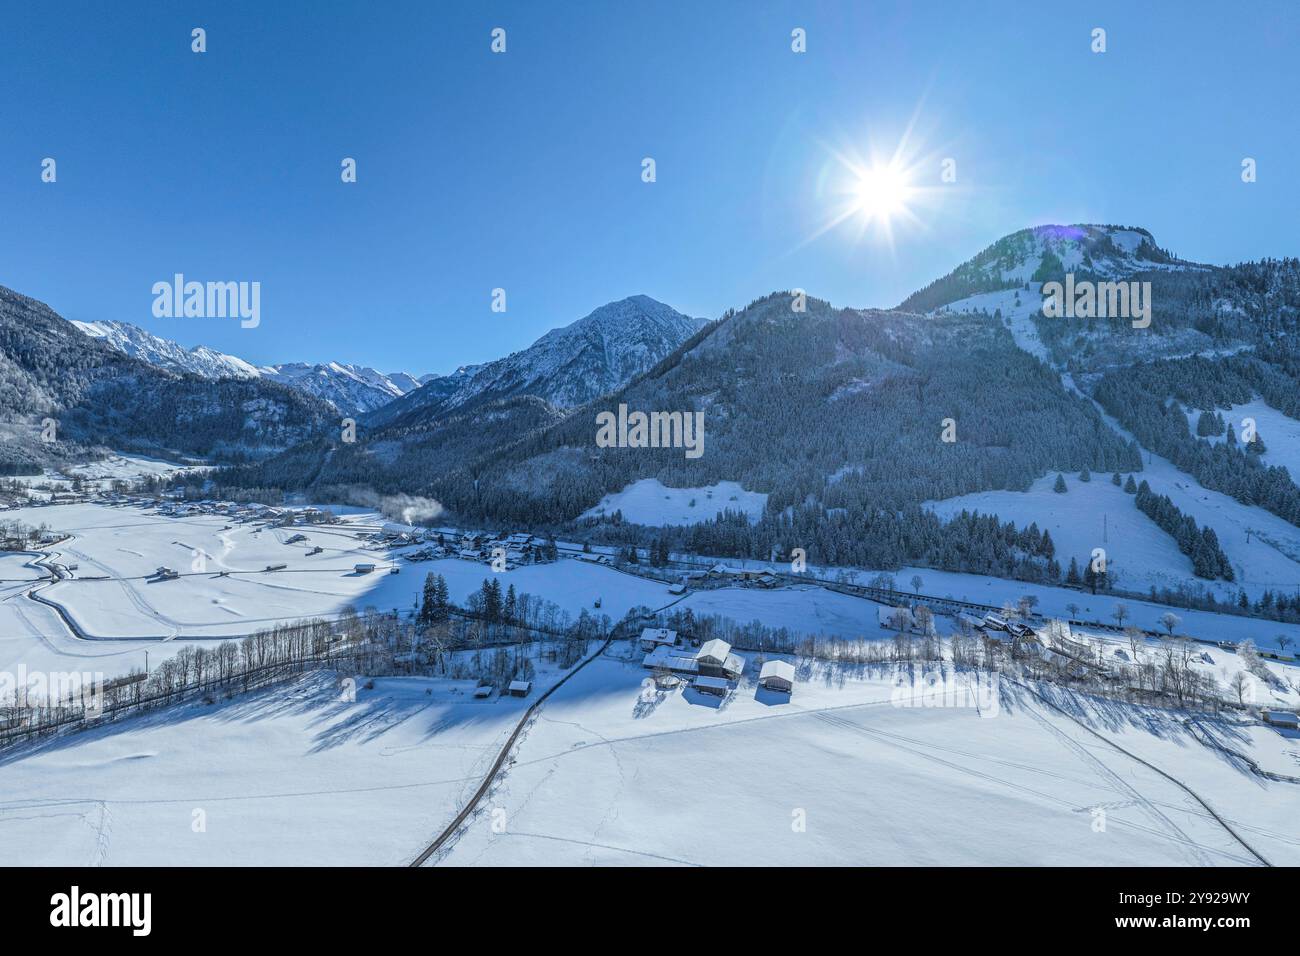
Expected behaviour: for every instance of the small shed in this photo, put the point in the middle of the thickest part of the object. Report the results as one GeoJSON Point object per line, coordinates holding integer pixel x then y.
{"type": "Point", "coordinates": [711, 685]}
{"type": "Point", "coordinates": [778, 676]}
{"type": "Point", "coordinates": [365, 568]}
{"type": "Point", "coordinates": [520, 688]}
{"type": "Point", "coordinates": [1282, 718]}
{"type": "Point", "coordinates": [483, 690]}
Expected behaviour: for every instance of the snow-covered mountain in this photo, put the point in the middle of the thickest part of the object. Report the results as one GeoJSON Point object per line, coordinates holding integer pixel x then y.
{"type": "Point", "coordinates": [352, 389]}
{"type": "Point", "coordinates": [136, 342]}
{"type": "Point", "coordinates": [1032, 255]}
{"type": "Point", "coordinates": [567, 367]}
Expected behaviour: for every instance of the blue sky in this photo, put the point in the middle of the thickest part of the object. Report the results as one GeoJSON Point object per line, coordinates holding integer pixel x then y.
{"type": "Point", "coordinates": [523, 170]}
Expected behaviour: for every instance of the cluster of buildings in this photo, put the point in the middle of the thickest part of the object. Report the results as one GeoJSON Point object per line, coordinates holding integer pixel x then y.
{"type": "Point", "coordinates": [712, 667]}
{"type": "Point", "coordinates": [238, 512]}
{"type": "Point", "coordinates": [514, 549]}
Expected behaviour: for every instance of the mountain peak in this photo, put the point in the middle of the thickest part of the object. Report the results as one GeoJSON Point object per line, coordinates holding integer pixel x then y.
{"type": "Point", "coordinates": [568, 366]}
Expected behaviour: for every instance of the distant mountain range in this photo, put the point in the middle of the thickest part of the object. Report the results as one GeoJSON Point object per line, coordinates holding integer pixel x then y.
{"type": "Point", "coordinates": [352, 389]}
{"type": "Point", "coordinates": [566, 367]}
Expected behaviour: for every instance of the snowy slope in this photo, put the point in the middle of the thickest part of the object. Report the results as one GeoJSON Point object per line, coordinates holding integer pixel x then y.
{"type": "Point", "coordinates": [650, 503]}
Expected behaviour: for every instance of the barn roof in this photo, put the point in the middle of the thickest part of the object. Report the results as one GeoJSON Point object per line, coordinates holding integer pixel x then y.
{"type": "Point", "coordinates": [716, 649]}
{"type": "Point", "coordinates": [782, 669]}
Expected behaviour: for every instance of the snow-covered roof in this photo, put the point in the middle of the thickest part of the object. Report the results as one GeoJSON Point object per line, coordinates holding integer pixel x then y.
{"type": "Point", "coordinates": [658, 635]}
{"type": "Point", "coordinates": [716, 650]}
{"type": "Point", "coordinates": [780, 669]}
{"type": "Point", "coordinates": [716, 683]}
{"type": "Point", "coordinates": [734, 664]}
{"type": "Point", "coordinates": [663, 656]}
{"type": "Point", "coordinates": [522, 685]}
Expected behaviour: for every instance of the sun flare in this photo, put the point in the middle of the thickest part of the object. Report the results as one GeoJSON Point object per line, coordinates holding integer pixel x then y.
{"type": "Point", "coordinates": [881, 193]}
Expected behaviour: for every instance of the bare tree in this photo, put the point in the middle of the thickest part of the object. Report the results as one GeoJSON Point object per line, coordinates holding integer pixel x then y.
{"type": "Point", "coordinates": [1240, 686]}
{"type": "Point", "coordinates": [1120, 614]}
{"type": "Point", "coordinates": [1169, 620]}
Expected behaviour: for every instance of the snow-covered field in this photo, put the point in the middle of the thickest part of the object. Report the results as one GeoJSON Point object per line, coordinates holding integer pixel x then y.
{"type": "Point", "coordinates": [650, 503]}
{"type": "Point", "coordinates": [613, 773]}
{"type": "Point", "coordinates": [608, 772]}
{"type": "Point", "coordinates": [292, 775]}
{"type": "Point", "coordinates": [112, 593]}
{"type": "Point", "coordinates": [133, 613]}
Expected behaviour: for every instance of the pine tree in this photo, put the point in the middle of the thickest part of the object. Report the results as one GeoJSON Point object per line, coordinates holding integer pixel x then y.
{"type": "Point", "coordinates": [1129, 486]}
{"type": "Point", "coordinates": [1059, 487]}
{"type": "Point", "coordinates": [441, 601]}
{"type": "Point", "coordinates": [511, 606]}
{"type": "Point", "coordinates": [428, 601]}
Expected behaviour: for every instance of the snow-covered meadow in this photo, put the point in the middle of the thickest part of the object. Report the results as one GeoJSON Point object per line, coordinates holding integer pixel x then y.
{"type": "Point", "coordinates": [651, 503]}
{"type": "Point", "coordinates": [613, 772]}
{"type": "Point", "coordinates": [609, 771]}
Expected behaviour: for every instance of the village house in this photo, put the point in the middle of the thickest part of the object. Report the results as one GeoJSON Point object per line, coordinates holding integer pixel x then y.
{"type": "Point", "coordinates": [653, 637]}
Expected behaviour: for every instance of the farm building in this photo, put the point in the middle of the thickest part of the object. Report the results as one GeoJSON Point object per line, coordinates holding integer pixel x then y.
{"type": "Point", "coordinates": [677, 589]}
{"type": "Point", "coordinates": [520, 688]}
{"type": "Point", "coordinates": [777, 675]}
{"type": "Point", "coordinates": [653, 637]}
{"type": "Point", "coordinates": [483, 690]}
{"type": "Point", "coordinates": [364, 568]}
{"type": "Point", "coordinates": [1282, 718]}
{"type": "Point", "coordinates": [663, 656]}
{"type": "Point", "coordinates": [715, 659]}
{"type": "Point", "coordinates": [711, 685]}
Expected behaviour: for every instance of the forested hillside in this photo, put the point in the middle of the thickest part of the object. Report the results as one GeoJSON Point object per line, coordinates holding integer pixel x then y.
{"type": "Point", "coordinates": [1150, 400]}
{"type": "Point", "coordinates": [100, 397]}
{"type": "Point", "coordinates": [828, 408]}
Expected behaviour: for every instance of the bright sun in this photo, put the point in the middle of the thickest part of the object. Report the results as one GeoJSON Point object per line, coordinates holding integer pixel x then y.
{"type": "Point", "coordinates": [881, 193]}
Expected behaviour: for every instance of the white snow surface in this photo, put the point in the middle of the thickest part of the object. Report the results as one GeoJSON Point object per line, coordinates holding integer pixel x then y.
{"type": "Point", "coordinates": [651, 503]}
